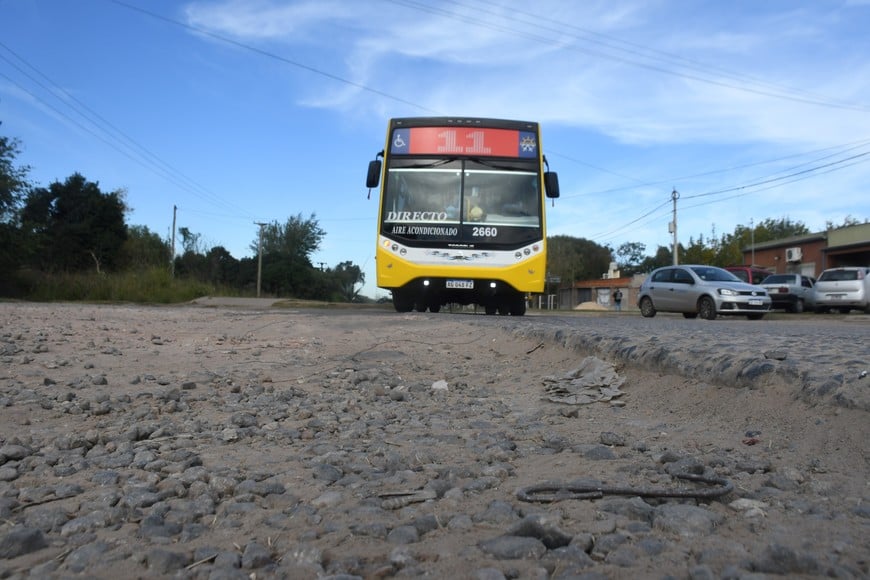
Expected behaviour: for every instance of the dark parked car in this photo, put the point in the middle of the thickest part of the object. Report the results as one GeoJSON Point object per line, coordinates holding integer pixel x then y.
{"type": "Point", "coordinates": [704, 291]}
{"type": "Point", "coordinates": [792, 292]}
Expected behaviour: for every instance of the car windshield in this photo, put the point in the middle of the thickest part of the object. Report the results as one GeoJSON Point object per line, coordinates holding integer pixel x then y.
{"type": "Point", "coordinates": [711, 274]}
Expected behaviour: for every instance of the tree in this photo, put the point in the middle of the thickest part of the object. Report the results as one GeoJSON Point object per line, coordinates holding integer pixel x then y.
{"type": "Point", "coordinates": [223, 269]}
{"type": "Point", "coordinates": [574, 259]}
{"type": "Point", "coordinates": [298, 237]}
{"type": "Point", "coordinates": [13, 185]}
{"type": "Point", "coordinates": [777, 229]}
{"type": "Point", "coordinates": [698, 252]}
{"type": "Point", "coordinates": [663, 257]}
{"type": "Point", "coordinates": [347, 275]}
{"type": "Point", "coordinates": [847, 222]}
{"type": "Point", "coordinates": [629, 257]}
{"type": "Point", "coordinates": [144, 249]}
{"type": "Point", "coordinates": [727, 250]}
{"type": "Point", "coordinates": [192, 264]}
{"type": "Point", "coordinates": [190, 242]}
{"type": "Point", "coordinates": [73, 226]}
{"type": "Point", "coordinates": [287, 249]}
{"type": "Point", "coordinates": [13, 180]}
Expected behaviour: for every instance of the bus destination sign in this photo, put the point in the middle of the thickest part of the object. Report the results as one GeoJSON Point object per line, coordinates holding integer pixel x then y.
{"type": "Point", "coordinates": [477, 142]}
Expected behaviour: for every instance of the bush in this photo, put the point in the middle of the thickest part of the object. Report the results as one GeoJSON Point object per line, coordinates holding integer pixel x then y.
{"type": "Point", "coordinates": [149, 286]}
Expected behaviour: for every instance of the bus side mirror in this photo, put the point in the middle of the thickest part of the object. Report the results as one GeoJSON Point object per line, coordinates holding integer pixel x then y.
{"type": "Point", "coordinates": [551, 184]}
{"type": "Point", "coordinates": [374, 174]}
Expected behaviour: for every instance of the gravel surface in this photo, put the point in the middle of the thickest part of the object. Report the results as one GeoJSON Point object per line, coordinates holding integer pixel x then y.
{"type": "Point", "coordinates": [245, 440]}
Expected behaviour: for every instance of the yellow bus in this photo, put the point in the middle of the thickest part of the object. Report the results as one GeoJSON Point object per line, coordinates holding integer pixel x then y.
{"type": "Point", "coordinates": [461, 213]}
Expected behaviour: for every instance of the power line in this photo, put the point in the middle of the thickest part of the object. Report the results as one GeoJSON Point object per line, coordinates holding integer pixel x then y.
{"type": "Point", "coordinates": [777, 179]}
{"type": "Point", "coordinates": [107, 132]}
{"type": "Point", "coordinates": [634, 50]}
{"type": "Point", "coordinates": [272, 55]}
{"type": "Point", "coordinates": [747, 189]}
{"type": "Point", "coordinates": [844, 148]}
{"type": "Point", "coordinates": [478, 22]}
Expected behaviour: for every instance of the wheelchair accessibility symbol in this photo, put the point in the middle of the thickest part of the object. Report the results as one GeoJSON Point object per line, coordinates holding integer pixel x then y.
{"type": "Point", "coordinates": [401, 141]}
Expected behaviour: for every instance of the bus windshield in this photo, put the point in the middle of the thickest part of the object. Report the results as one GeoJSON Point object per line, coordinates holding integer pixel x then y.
{"type": "Point", "coordinates": [462, 200]}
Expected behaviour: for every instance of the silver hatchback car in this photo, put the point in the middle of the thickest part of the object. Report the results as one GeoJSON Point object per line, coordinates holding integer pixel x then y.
{"type": "Point", "coordinates": [844, 289]}
{"type": "Point", "coordinates": [705, 291]}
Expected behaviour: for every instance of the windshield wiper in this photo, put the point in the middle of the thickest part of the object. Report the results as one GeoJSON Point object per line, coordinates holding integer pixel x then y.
{"type": "Point", "coordinates": [490, 164]}
{"type": "Point", "coordinates": [429, 165]}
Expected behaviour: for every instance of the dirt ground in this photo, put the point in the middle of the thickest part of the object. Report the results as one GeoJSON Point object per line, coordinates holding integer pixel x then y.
{"type": "Point", "coordinates": [350, 415]}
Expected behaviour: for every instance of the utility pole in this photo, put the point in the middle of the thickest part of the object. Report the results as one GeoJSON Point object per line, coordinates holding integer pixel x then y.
{"type": "Point", "coordinates": [259, 257]}
{"type": "Point", "coordinates": [752, 239]}
{"type": "Point", "coordinates": [675, 195]}
{"type": "Point", "coordinates": [172, 257]}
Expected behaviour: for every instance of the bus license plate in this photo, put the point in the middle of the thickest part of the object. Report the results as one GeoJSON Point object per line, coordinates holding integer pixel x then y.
{"type": "Point", "coordinates": [461, 284]}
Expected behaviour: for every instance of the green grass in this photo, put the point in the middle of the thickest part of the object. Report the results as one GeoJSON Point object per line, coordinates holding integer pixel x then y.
{"type": "Point", "coordinates": [150, 286]}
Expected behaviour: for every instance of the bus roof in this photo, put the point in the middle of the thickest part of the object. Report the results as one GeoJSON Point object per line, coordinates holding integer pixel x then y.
{"type": "Point", "coordinates": [463, 122]}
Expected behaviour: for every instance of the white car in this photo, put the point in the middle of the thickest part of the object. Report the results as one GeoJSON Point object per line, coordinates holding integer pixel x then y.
{"type": "Point", "coordinates": [792, 292]}
{"type": "Point", "coordinates": [844, 289]}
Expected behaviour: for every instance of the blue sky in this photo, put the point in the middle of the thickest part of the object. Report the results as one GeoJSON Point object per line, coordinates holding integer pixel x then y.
{"type": "Point", "coordinates": [244, 111]}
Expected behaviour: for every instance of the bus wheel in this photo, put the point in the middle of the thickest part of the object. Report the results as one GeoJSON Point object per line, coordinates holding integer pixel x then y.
{"type": "Point", "coordinates": [434, 307]}
{"type": "Point", "coordinates": [518, 306]}
{"type": "Point", "coordinates": [490, 309]}
{"type": "Point", "coordinates": [403, 301]}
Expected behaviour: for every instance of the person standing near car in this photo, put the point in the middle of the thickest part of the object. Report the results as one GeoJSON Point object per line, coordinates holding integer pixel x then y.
{"type": "Point", "coordinates": [617, 300]}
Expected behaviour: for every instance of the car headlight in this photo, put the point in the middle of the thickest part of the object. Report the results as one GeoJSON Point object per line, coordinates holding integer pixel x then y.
{"type": "Point", "coordinates": [728, 292]}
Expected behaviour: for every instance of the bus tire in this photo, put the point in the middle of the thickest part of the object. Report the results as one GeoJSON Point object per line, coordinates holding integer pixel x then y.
{"type": "Point", "coordinates": [403, 301]}
{"type": "Point", "coordinates": [518, 306]}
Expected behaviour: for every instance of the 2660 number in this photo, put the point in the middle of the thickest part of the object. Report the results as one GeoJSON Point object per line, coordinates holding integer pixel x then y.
{"type": "Point", "coordinates": [479, 231]}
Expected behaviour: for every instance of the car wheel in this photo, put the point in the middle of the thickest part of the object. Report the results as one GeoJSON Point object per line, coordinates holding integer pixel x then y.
{"type": "Point", "coordinates": [647, 310]}
{"type": "Point", "coordinates": [755, 316]}
{"type": "Point", "coordinates": [706, 308]}
{"type": "Point", "coordinates": [820, 310]}
{"type": "Point", "coordinates": [690, 315]}
{"type": "Point", "coordinates": [844, 310]}
{"type": "Point", "coordinates": [798, 306]}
